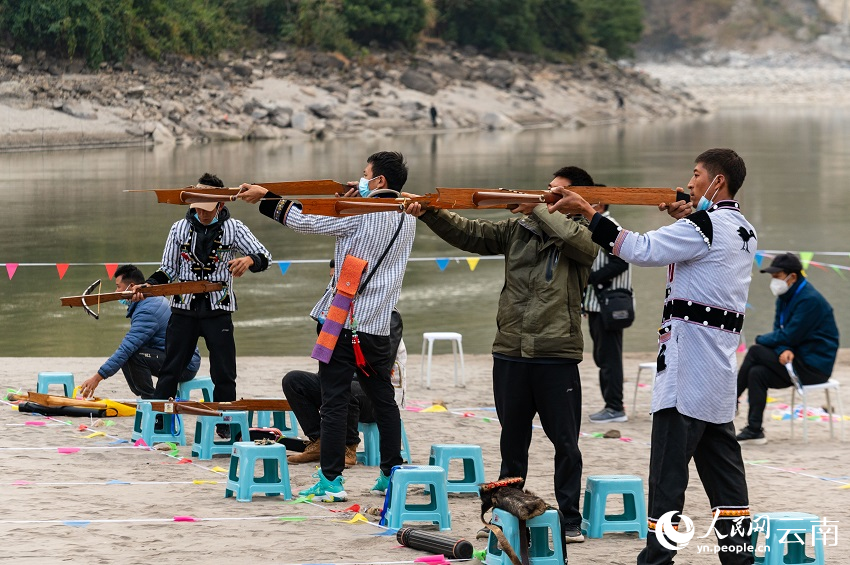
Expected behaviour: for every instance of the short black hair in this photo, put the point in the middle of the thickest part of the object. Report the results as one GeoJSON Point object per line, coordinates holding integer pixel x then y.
{"type": "Point", "coordinates": [724, 162]}
{"type": "Point", "coordinates": [390, 165]}
{"type": "Point", "coordinates": [130, 274]}
{"type": "Point", "coordinates": [576, 176]}
{"type": "Point", "coordinates": [210, 180]}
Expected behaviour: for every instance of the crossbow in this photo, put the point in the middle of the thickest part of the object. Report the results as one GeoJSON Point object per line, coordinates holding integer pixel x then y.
{"type": "Point", "coordinates": [86, 299]}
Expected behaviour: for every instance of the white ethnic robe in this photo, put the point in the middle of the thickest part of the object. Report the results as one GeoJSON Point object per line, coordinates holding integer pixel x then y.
{"type": "Point", "coordinates": [709, 255]}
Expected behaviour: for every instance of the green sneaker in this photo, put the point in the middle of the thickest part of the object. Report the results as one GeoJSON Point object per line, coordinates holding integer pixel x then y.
{"type": "Point", "coordinates": [325, 490]}
{"type": "Point", "coordinates": [381, 485]}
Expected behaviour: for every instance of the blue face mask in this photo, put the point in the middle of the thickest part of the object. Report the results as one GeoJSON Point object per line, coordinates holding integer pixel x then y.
{"type": "Point", "coordinates": [125, 301]}
{"type": "Point", "coordinates": [363, 186]}
{"type": "Point", "coordinates": [704, 203]}
{"type": "Point", "coordinates": [211, 223]}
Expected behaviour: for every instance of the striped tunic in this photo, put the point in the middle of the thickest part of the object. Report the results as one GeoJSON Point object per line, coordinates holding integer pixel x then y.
{"type": "Point", "coordinates": [181, 262]}
{"type": "Point", "coordinates": [709, 257]}
{"type": "Point", "coordinates": [365, 236]}
{"type": "Point", "coordinates": [590, 302]}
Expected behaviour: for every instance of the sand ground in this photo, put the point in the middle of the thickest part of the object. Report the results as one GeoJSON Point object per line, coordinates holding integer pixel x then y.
{"type": "Point", "coordinates": [110, 502]}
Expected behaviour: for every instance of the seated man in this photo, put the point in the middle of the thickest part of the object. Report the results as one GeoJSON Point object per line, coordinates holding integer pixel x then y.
{"type": "Point", "coordinates": [142, 350]}
{"type": "Point", "coordinates": [804, 334]}
{"type": "Point", "coordinates": [303, 391]}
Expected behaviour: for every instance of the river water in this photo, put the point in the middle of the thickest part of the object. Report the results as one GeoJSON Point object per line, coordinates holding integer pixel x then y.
{"type": "Point", "coordinates": [68, 207]}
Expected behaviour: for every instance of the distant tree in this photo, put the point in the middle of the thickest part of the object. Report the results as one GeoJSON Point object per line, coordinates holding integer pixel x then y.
{"type": "Point", "coordinates": [493, 25]}
{"type": "Point", "coordinates": [560, 24]}
{"type": "Point", "coordinates": [93, 29]}
{"type": "Point", "coordinates": [614, 25]}
{"type": "Point", "coordinates": [188, 27]}
{"type": "Point", "coordinates": [386, 22]}
{"type": "Point", "coordinates": [319, 23]}
{"type": "Point", "coordinates": [264, 16]}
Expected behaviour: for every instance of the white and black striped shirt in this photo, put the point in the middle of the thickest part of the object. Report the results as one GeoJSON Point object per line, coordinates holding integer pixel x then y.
{"type": "Point", "coordinates": [180, 261]}
{"type": "Point", "coordinates": [590, 302]}
{"type": "Point", "coordinates": [365, 236]}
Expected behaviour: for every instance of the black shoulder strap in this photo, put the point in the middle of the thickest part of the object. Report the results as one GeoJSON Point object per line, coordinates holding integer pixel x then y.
{"type": "Point", "coordinates": [381, 258]}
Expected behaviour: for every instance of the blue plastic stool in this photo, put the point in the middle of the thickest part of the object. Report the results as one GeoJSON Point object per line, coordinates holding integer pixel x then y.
{"type": "Point", "coordinates": [398, 511]}
{"type": "Point", "coordinates": [204, 384]}
{"type": "Point", "coordinates": [143, 426]}
{"type": "Point", "coordinates": [371, 453]}
{"type": "Point", "coordinates": [473, 465]}
{"type": "Point", "coordinates": [633, 519]}
{"type": "Point", "coordinates": [241, 480]}
{"type": "Point", "coordinates": [276, 419]}
{"type": "Point", "coordinates": [48, 378]}
{"type": "Point", "coordinates": [786, 539]}
{"type": "Point", "coordinates": [540, 552]}
{"type": "Point", "coordinates": [205, 444]}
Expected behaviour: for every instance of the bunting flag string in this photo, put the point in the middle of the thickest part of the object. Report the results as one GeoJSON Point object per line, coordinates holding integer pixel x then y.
{"type": "Point", "coordinates": [806, 257]}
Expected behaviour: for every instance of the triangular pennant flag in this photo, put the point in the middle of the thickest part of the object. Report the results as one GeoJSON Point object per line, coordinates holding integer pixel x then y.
{"type": "Point", "coordinates": [818, 265]}
{"type": "Point", "coordinates": [759, 257]}
{"type": "Point", "coordinates": [357, 518]}
{"type": "Point", "coordinates": [11, 268]}
{"type": "Point", "coordinates": [284, 265]}
{"type": "Point", "coordinates": [218, 469]}
{"type": "Point", "coordinates": [442, 263]}
{"type": "Point", "coordinates": [62, 268]}
{"type": "Point", "coordinates": [472, 262]}
{"type": "Point", "coordinates": [292, 519]}
{"type": "Point", "coordinates": [837, 269]}
{"type": "Point", "coordinates": [806, 257]}
{"type": "Point", "coordinates": [77, 523]}
{"type": "Point", "coordinates": [110, 269]}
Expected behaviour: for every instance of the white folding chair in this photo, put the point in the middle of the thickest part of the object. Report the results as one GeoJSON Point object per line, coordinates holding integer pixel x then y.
{"type": "Point", "coordinates": [642, 367]}
{"type": "Point", "coordinates": [826, 387]}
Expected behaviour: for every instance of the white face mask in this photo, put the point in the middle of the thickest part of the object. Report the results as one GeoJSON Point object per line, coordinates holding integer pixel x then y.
{"type": "Point", "coordinates": [778, 286]}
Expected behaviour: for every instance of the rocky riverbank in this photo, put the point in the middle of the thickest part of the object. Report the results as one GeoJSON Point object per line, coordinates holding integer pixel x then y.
{"type": "Point", "coordinates": [299, 95]}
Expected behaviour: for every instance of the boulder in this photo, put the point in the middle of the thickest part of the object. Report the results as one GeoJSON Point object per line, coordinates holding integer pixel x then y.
{"type": "Point", "coordinates": [498, 121]}
{"type": "Point", "coordinates": [415, 80]}
{"type": "Point", "coordinates": [162, 135]}
{"type": "Point", "coordinates": [263, 131]}
{"type": "Point", "coordinates": [322, 110]}
{"type": "Point", "coordinates": [79, 109]}
{"type": "Point", "coordinates": [302, 121]}
{"type": "Point", "coordinates": [500, 75]}
{"type": "Point", "coordinates": [243, 69]}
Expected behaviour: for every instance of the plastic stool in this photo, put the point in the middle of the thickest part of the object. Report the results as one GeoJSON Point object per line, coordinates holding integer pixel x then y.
{"type": "Point", "coordinates": [144, 426]}
{"type": "Point", "coordinates": [788, 530]}
{"type": "Point", "coordinates": [539, 550]}
{"type": "Point", "coordinates": [651, 367]}
{"type": "Point", "coordinates": [633, 519]}
{"type": "Point", "coordinates": [473, 465]}
{"type": "Point", "coordinates": [276, 419]}
{"type": "Point", "coordinates": [397, 509]}
{"type": "Point", "coordinates": [47, 378]}
{"type": "Point", "coordinates": [204, 384]}
{"type": "Point", "coordinates": [428, 339]}
{"type": "Point", "coordinates": [241, 480]}
{"type": "Point", "coordinates": [371, 453]}
{"type": "Point", "coordinates": [830, 384]}
{"type": "Point", "coordinates": [205, 445]}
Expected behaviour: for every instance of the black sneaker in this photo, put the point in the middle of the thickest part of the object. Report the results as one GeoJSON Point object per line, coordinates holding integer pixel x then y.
{"type": "Point", "coordinates": [750, 436]}
{"type": "Point", "coordinates": [222, 431]}
{"type": "Point", "coordinates": [573, 535]}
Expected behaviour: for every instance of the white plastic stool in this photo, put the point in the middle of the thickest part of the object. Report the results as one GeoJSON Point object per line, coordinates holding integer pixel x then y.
{"type": "Point", "coordinates": [830, 384]}
{"type": "Point", "coordinates": [642, 367]}
{"type": "Point", "coordinates": [428, 339]}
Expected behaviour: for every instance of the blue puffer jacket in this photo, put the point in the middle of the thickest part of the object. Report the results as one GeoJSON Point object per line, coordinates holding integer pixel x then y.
{"type": "Point", "coordinates": [809, 328]}
{"type": "Point", "coordinates": [148, 321]}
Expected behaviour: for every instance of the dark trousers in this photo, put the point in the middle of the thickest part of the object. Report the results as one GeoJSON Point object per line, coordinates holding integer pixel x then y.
{"type": "Point", "coordinates": [335, 378]}
{"type": "Point", "coordinates": [553, 391]}
{"type": "Point", "coordinates": [181, 338]}
{"type": "Point", "coordinates": [608, 356]}
{"type": "Point", "coordinates": [676, 439]}
{"type": "Point", "coordinates": [762, 370]}
{"type": "Point", "coordinates": [142, 365]}
{"type": "Point", "coordinates": [304, 392]}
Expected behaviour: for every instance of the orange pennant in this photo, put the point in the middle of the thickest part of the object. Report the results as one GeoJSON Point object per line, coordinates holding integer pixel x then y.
{"type": "Point", "coordinates": [62, 268]}
{"type": "Point", "coordinates": [110, 269]}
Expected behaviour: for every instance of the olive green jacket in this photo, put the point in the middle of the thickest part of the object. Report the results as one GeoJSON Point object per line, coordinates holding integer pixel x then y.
{"type": "Point", "coordinates": [547, 262]}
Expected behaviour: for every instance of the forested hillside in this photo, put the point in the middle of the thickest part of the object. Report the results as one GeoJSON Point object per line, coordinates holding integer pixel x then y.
{"type": "Point", "coordinates": [106, 31]}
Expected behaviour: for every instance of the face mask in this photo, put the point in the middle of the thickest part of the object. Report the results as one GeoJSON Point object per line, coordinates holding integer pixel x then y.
{"type": "Point", "coordinates": [211, 223]}
{"type": "Point", "coordinates": [704, 202]}
{"type": "Point", "coordinates": [363, 186]}
{"type": "Point", "coordinates": [778, 286]}
{"type": "Point", "coordinates": [125, 301]}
